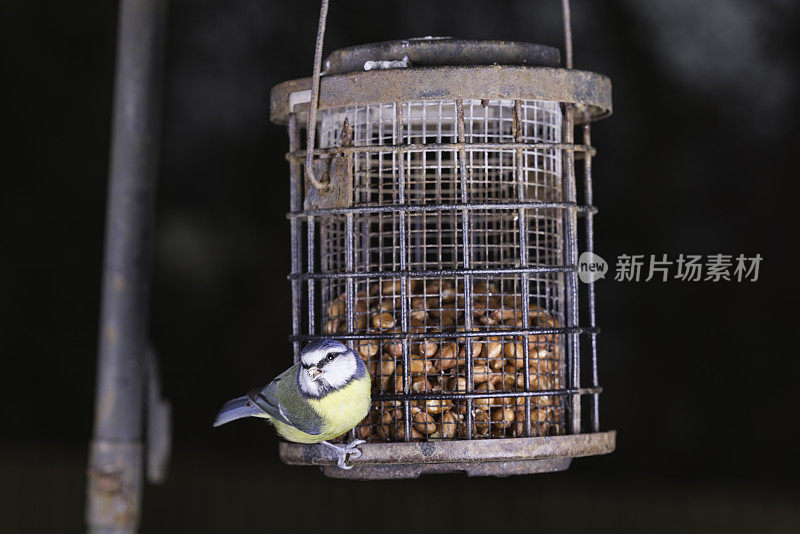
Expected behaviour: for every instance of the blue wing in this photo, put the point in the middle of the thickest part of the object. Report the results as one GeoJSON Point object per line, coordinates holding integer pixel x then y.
{"type": "Point", "coordinates": [238, 408]}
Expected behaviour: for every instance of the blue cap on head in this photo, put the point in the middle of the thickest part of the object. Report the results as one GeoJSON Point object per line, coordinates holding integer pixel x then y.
{"type": "Point", "coordinates": [322, 344]}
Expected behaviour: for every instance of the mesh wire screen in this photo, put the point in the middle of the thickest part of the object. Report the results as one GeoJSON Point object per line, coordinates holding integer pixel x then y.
{"type": "Point", "coordinates": [434, 241]}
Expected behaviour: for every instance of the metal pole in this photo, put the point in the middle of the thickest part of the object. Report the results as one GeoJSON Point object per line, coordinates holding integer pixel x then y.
{"type": "Point", "coordinates": [115, 470]}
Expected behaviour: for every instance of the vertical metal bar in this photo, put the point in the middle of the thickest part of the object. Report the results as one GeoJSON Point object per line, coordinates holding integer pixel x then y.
{"type": "Point", "coordinates": [573, 345]}
{"type": "Point", "coordinates": [523, 258]}
{"type": "Point", "coordinates": [115, 455]}
{"type": "Point", "coordinates": [295, 204]}
{"type": "Point", "coordinates": [350, 294]}
{"type": "Point", "coordinates": [401, 198]}
{"type": "Point", "coordinates": [310, 269]}
{"type": "Point", "coordinates": [587, 174]}
{"type": "Point", "coordinates": [572, 255]}
{"type": "Point", "coordinates": [465, 242]}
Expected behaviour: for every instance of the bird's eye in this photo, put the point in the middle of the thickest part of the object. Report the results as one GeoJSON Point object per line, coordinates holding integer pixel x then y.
{"type": "Point", "coordinates": [330, 356]}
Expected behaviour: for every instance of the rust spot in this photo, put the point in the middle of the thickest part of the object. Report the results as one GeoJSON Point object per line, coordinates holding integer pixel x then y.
{"type": "Point", "coordinates": [107, 481]}
{"type": "Point", "coordinates": [347, 133]}
{"type": "Point", "coordinates": [427, 448]}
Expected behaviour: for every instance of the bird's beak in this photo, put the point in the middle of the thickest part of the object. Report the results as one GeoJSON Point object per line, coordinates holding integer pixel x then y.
{"type": "Point", "coordinates": [314, 372]}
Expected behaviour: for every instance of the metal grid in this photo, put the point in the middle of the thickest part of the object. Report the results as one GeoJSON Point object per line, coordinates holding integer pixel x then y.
{"type": "Point", "coordinates": [449, 257]}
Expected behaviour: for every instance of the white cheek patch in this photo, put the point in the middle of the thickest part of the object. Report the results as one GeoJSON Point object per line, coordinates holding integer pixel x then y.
{"type": "Point", "coordinates": [339, 372]}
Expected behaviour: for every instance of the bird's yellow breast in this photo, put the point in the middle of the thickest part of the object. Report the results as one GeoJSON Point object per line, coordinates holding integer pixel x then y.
{"type": "Point", "coordinates": [341, 410]}
{"type": "Point", "coordinates": [345, 408]}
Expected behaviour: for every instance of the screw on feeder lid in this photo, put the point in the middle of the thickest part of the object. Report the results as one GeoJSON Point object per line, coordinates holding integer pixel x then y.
{"type": "Point", "coordinates": [437, 52]}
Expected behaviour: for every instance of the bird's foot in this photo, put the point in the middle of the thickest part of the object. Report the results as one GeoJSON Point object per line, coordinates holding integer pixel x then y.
{"type": "Point", "coordinates": [345, 452]}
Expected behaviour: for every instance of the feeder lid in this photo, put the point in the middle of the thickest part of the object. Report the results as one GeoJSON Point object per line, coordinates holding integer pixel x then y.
{"type": "Point", "coordinates": [439, 51]}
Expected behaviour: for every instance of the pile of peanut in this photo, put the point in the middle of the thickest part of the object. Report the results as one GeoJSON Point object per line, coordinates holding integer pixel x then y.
{"type": "Point", "coordinates": [439, 364]}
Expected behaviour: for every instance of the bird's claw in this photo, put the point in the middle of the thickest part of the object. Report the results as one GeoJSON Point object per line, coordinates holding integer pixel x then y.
{"type": "Point", "coordinates": [353, 450]}
{"type": "Point", "coordinates": [347, 452]}
{"type": "Point", "coordinates": [350, 452]}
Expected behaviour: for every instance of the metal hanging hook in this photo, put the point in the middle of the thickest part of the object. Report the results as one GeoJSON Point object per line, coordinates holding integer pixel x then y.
{"type": "Point", "coordinates": [311, 126]}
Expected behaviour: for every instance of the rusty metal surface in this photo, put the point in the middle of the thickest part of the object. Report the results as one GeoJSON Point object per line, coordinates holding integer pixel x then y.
{"type": "Point", "coordinates": [405, 471]}
{"type": "Point", "coordinates": [449, 452]}
{"type": "Point", "coordinates": [440, 51]}
{"type": "Point", "coordinates": [336, 174]}
{"type": "Point", "coordinates": [114, 483]}
{"type": "Point", "coordinates": [582, 88]}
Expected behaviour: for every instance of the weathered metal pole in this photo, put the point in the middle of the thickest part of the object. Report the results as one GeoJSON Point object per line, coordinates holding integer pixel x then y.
{"type": "Point", "coordinates": [115, 474]}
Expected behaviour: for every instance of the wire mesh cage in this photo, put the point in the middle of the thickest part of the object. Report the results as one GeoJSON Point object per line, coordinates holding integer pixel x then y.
{"type": "Point", "coordinates": [442, 246]}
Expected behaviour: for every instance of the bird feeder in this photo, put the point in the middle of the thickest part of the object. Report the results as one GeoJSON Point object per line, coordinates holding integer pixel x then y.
{"type": "Point", "coordinates": [435, 229]}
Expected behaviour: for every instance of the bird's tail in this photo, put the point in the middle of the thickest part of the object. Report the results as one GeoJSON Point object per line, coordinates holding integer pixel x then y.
{"type": "Point", "coordinates": [237, 409]}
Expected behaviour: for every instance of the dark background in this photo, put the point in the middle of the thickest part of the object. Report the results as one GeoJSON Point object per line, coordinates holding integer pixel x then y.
{"type": "Point", "coordinates": [700, 157]}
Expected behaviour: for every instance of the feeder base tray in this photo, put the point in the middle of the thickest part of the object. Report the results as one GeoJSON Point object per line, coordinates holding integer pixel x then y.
{"type": "Point", "coordinates": [487, 457]}
{"type": "Point", "coordinates": [473, 469]}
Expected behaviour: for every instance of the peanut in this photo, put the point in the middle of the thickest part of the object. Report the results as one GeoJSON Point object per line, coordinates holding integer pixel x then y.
{"type": "Point", "coordinates": [383, 321]}
{"type": "Point", "coordinates": [367, 348]}
{"type": "Point", "coordinates": [502, 315]}
{"type": "Point", "coordinates": [448, 357]}
{"type": "Point", "coordinates": [493, 347]}
{"type": "Point", "coordinates": [424, 423]}
{"type": "Point", "coordinates": [503, 417]}
{"type": "Point", "coordinates": [482, 420]}
{"type": "Point", "coordinates": [534, 381]}
{"type": "Point", "coordinates": [449, 425]}
{"type": "Point", "coordinates": [484, 403]}
{"type": "Point", "coordinates": [480, 374]}
{"type": "Point", "coordinates": [435, 406]}
{"type": "Point", "coordinates": [336, 306]}
{"type": "Point", "coordinates": [418, 365]}
{"type": "Point", "coordinates": [425, 347]}
{"type": "Point", "coordinates": [457, 384]}
{"type": "Point", "coordinates": [393, 347]}
{"type": "Point", "coordinates": [418, 315]}
{"type": "Point", "coordinates": [513, 351]}
{"type": "Point", "coordinates": [420, 384]}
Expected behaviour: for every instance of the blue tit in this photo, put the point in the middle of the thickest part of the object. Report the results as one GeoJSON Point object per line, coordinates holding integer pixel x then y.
{"type": "Point", "coordinates": [319, 398]}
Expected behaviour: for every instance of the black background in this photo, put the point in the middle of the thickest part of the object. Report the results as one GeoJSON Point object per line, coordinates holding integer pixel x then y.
{"type": "Point", "coordinates": [699, 157]}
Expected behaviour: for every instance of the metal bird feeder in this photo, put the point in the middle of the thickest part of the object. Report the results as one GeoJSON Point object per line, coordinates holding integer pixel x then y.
{"type": "Point", "coordinates": [435, 230]}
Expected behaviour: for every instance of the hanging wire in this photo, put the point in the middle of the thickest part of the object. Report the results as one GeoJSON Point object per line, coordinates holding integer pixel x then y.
{"type": "Point", "coordinates": [316, 74]}
{"type": "Point", "coordinates": [311, 126]}
{"type": "Point", "coordinates": [567, 33]}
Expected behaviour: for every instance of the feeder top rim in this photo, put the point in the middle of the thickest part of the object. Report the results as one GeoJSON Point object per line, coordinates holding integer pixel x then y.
{"type": "Point", "coordinates": [439, 52]}
{"type": "Point", "coordinates": [587, 90]}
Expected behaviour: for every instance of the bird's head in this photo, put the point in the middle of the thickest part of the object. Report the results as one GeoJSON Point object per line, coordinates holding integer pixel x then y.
{"type": "Point", "coordinates": [327, 365]}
